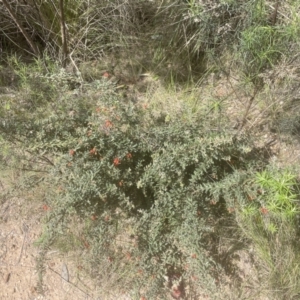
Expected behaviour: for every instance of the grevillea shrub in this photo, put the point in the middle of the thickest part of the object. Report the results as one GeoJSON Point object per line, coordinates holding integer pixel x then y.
{"type": "Point", "coordinates": [151, 191]}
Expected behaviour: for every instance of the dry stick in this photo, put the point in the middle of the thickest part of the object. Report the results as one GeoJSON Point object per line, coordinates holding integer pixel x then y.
{"type": "Point", "coordinates": [274, 14]}
{"type": "Point", "coordinates": [75, 66]}
{"type": "Point", "coordinates": [63, 33]}
{"type": "Point", "coordinates": [279, 12]}
{"type": "Point", "coordinates": [25, 34]}
{"type": "Point", "coordinates": [228, 76]}
{"type": "Point", "coordinates": [246, 112]}
{"type": "Point", "coordinates": [25, 229]}
{"type": "Point", "coordinates": [41, 20]}
{"type": "Point", "coordinates": [70, 282]}
{"type": "Point", "coordinates": [1, 184]}
{"type": "Point", "coordinates": [260, 114]}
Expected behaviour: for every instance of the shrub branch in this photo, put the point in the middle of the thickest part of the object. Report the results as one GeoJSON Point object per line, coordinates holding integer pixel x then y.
{"type": "Point", "coordinates": [26, 35]}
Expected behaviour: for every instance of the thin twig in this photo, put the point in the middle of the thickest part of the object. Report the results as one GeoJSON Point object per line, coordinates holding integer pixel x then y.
{"type": "Point", "coordinates": [25, 229]}
{"type": "Point", "coordinates": [87, 294]}
{"type": "Point", "coordinates": [275, 13]}
{"type": "Point", "coordinates": [244, 120]}
{"type": "Point", "coordinates": [25, 34]}
{"type": "Point", "coordinates": [63, 33]}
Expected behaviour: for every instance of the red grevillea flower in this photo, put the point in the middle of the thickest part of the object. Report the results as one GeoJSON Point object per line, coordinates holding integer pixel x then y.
{"type": "Point", "coordinates": [94, 217]}
{"type": "Point", "coordinates": [176, 293]}
{"type": "Point", "coordinates": [264, 210]}
{"type": "Point", "coordinates": [93, 151]}
{"type": "Point", "coordinates": [45, 207]}
{"type": "Point", "coordinates": [108, 124]}
{"type": "Point", "coordinates": [117, 161]}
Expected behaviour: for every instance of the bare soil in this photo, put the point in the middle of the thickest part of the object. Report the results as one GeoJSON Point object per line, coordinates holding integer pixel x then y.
{"type": "Point", "coordinates": [20, 272]}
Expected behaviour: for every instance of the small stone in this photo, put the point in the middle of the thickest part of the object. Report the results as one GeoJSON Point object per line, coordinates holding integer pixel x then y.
{"type": "Point", "coordinates": [65, 273]}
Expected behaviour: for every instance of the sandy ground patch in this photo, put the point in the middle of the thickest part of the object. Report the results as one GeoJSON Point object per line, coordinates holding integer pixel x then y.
{"type": "Point", "coordinates": [20, 227]}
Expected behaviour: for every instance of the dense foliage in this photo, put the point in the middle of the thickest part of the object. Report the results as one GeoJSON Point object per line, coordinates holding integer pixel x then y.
{"type": "Point", "coordinates": [168, 183]}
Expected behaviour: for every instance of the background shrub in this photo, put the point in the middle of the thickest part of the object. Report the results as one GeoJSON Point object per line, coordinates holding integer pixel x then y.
{"type": "Point", "coordinates": [165, 185]}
